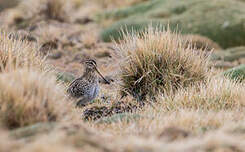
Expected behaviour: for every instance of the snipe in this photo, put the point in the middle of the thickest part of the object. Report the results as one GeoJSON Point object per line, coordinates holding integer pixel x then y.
{"type": "Point", "coordinates": [86, 87]}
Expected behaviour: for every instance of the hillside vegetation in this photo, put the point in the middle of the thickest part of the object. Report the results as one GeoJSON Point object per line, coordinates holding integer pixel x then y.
{"type": "Point", "coordinates": [222, 21]}
{"type": "Point", "coordinates": [176, 70]}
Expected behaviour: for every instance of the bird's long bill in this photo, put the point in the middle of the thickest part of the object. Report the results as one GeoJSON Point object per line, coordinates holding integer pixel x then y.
{"type": "Point", "coordinates": [102, 76]}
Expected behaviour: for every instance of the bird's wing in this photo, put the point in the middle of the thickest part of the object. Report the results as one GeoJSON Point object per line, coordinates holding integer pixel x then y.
{"type": "Point", "coordinates": [78, 88]}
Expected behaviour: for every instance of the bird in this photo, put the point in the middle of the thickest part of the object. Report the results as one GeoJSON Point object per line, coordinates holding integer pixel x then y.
{"type": "Point", "coordinates": [86, 87]}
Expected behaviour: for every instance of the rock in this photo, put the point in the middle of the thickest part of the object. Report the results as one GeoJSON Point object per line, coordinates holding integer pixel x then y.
{"type": "Point", "coordinates": [220, 20]}
{"type": "Point", "coordinates": [125, 117]}
{"type": "Point", "coordinates": [236, 73]}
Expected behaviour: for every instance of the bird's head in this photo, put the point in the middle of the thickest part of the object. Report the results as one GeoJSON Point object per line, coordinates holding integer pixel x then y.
{"type": "Point", "coordinates": [91, 66]}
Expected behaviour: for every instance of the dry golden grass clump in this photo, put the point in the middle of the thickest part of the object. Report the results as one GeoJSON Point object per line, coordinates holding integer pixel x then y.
{"type": "Point", "coordinates": [158, 61]}
{"type": "Point", "coordinates": [216, 94]}
{"type": "Point", "coordinates": [200, 42]}
{"type": "Point", "coordinates": [49, 9]}
{"type": "Point", "coordinates": [55, 9]}
{"type": "Point", "coordinates": [28, 97]}
{"type": "Point", "coordinates": [29, 12]}
{"type": "Point", "coordinates": [18, 53]}
{"type": "Point", "coordinates": [48, 39]}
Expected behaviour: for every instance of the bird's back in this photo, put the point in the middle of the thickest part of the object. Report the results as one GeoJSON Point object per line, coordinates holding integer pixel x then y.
{"type": "Point", "coordinates": [83, 87]}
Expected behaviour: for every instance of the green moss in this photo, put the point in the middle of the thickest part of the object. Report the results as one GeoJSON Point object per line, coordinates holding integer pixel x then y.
{"type": "Point", "coordinates": [32, 130]}
{"type": "Point", "coordinates": [121, 117]}
{"type": "Point", "coordinates": [125, 12]}
{"type": "Point", "coordinates": [236, 73]}
{"type": "Point", "coordinates": [230, 54]}
{"type": "Point", "coordinates": [220, 20]}
{"type": "Point", "coordinates": [65, 77]}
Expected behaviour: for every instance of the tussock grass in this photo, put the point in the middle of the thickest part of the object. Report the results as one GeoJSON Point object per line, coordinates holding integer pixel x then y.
{"type": "Point", "coordinates": [200, 42]}
{"type": "Point", "coordinates": [31, 11]}
{"type": "Point", "coordinates": [18, 53]}
{"type": "Point", "coordinates": [199, 108]}
{"type": "Point", "coordinates": [158, 61]}
{"type": "Point", "coordinates": [28, 97]}
{"type": "Point", "coordinates": [50, 9]}
{"type": "Point", "coordinates": [216, 94]}
{"type": "Point", "coordinates": [49, 39]}
{"type": "Point", "coordinates": [55, 9]}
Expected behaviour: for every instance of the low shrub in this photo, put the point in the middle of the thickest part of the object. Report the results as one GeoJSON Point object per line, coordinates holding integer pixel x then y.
{"type": "Point", "coordinates": [159, 62]}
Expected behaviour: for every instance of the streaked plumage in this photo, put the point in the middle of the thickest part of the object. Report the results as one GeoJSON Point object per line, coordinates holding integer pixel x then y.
{"type": "Point", "coordinates": [86, 87]}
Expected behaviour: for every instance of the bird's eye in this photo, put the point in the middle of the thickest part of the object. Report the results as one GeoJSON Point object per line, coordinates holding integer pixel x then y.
{"type": "Point", "coordinates": [89, 64]}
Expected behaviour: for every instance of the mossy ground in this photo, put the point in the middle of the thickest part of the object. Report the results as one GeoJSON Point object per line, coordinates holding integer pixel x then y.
{"type": "Point", "coordinates": [222, 19]}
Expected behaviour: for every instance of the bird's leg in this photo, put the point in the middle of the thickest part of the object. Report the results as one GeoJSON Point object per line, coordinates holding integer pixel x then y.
{"type": "Point", "coordinates": [82, 102]}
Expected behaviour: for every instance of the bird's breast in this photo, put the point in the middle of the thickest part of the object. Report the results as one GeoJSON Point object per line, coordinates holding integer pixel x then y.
{"type": "Point", "coordinates": [93, 91]}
